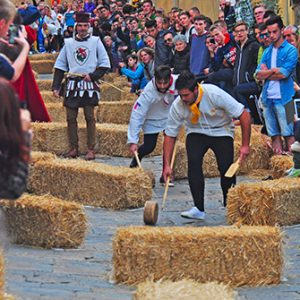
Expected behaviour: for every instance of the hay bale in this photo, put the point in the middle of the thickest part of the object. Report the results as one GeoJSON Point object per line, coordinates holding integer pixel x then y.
{"type": "Point", "coordinates": [43, 66]}
{"type": "Point", "coordinates": [265, 203]}
{"type": "Point", "coordinates": [184, 290]}
{"type": "Point", "coordinates": [260, 153]}
{"type": "Point", "coordinates": [109, 93]}
{"type": "Point", "coordinates": [45, 85]}
{"type": "Point", "coordinates": [180, 169]}
{"type": "Point", "coordinates": [41, 156]}
{"type": "Point", "coordinates": [111, 139]}
{"type": "Point", "coordinates": [114, 112]}
{"type": "Point", "coordinates": [235, 256]}
{"type": "Point", "coordinates": [258, 158]}
{"type": "Point", "coordinates": [279, 164]}
{"type": "Point", "coordinates": [57, 113]}
{"type": "Point", "coordinates": [44, 56]}
{"type": "Point", "coordinates": [91, 183]}
{"type": "Point", "coordinates": [49, 98]}
{"type": "Point", "coordinates": [45, 221]}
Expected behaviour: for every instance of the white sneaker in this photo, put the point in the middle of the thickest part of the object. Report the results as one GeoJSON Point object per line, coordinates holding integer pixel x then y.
{"type": "Point", "coordinates": [194, 213]}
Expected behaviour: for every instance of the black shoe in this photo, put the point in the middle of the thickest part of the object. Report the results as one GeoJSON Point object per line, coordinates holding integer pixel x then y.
{"type": "Point", "coordinates": [133, 164]}
{"type": "Point", "coordinates": [162, 181]}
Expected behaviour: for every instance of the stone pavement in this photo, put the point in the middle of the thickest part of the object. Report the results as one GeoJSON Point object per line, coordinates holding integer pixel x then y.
{"type": "Point", "coordinates": [85, 273]}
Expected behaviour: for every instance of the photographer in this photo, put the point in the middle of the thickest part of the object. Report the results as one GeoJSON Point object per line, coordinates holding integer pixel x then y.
{"type": "Point", "coordinates": [11, 71]}
{"type": "Point", "coordinates": [15, 140]}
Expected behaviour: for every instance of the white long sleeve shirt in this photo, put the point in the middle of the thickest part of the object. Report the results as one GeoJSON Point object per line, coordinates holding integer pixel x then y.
{"type": "Point", "coordinates": [150, 111]}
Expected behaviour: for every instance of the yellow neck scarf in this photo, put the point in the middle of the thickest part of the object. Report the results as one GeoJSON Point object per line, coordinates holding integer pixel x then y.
{"type": "Point", "coordinates": [194, 108]}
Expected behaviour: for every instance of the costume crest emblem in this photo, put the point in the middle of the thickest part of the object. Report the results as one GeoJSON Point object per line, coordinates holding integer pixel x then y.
{"type": "Point", "coordinates": [81, 55]}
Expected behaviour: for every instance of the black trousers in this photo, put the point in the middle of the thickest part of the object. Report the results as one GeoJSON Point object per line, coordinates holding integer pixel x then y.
{"type": "Point", "coordinates": [147, 147]}
{"type": "Point", "coordinates": [197, 145]}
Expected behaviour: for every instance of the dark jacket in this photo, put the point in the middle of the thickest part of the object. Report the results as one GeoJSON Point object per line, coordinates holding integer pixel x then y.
{"type": "Point", "coordinates": [163, 53]}
{"type": "Point", "coordinates": [227, 52]}
{"type": "Point", "coordinates": [245, 62]}
{"type": "Point", "coordinates": [181, 61]}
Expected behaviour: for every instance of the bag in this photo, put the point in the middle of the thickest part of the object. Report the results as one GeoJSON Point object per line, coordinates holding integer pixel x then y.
{"type": "Point", "coordinates": [29, 15]}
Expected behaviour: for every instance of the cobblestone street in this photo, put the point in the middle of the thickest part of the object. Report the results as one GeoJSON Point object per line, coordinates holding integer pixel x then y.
{"type": "Point", "coordinates": [85, 273]}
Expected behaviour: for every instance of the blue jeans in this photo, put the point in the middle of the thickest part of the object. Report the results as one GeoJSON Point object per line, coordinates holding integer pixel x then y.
{"type": "Point", "coordinates": [276, 118]}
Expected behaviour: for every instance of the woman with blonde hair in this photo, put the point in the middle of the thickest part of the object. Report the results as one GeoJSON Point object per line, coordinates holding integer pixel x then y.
{"type": "Point", "coordinates": [146, 57]}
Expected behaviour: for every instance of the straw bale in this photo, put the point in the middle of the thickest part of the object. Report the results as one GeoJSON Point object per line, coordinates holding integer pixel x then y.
{"type": "Point", "coordinates": [180, 169]}
{"type": "Point", "coordinates": [185, 289]}
{"type": "Point", "coordinates": [111, 139]}
{"type": "Point", "coordinates": [41, 156]}
{"type": "Point", "coordinates": [279, 164]}
{"type": "Point", "coordinates": [2, 277]}
{"type": "Point", "coordinates": [43, 66]}
{"type": "Point", "coordinates": [258, 158]}
{"type": "Point", "coordinates": [260, 153]}
{"type": "Point", "coordinates": [181, 135]}
{"type": "Point", "coordinates": [45, 56]}
{"type": "Point", "coordinates": [45, 221]}
{"type": "Point", "coordinates": [250, 255]}
{"type": "Point", "coordinates": [114, 112]}
{"type": "Point", "coordinates": [110, 93]}
{"type": "Point", "coordinates": [91, 183]}
{"type": "Point", "coordinates": [265, 203]}
{"type": "Point", "coordinates": [57, 113]}
{"type": "Point", "coordinates": [36, 75]}
{"type": "Point", "coordinates": [44, 84]}
{"type": "Point", "coordinates": [49, 98]}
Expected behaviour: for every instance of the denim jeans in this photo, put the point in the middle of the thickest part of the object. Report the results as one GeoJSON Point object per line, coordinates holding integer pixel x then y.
{"type": "Point", "coordinates": [276, 118]}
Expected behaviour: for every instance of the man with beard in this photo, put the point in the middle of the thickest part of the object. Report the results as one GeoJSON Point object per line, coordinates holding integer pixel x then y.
{"type": "Point", "coordinates": [86, 61]}
{"type": "Point", "coordinates": [206, 112]}
{"type": "Point", "coordinates": [150, 112]}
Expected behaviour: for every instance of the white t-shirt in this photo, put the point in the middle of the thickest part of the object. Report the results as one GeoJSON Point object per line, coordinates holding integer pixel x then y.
{"type": "Point", "coordinates": [273, 91]}
{"type": "Point", "coordinates": [217, 109]}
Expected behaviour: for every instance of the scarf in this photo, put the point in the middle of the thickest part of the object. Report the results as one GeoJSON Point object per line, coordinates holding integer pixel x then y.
{"type": "Point", "coordinates": [194, 108]}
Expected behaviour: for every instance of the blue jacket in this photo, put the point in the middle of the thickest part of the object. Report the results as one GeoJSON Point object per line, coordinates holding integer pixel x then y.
{"type": "Point", "coordinates": [136, 76]}
{"type": "Point", "coordinates": [287, 57]}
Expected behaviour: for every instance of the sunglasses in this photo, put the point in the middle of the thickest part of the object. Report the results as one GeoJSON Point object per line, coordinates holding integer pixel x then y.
{"type": "Point", "coordinates": [168, 40]}
{"type": "Point", "coordinates": [263, 35]}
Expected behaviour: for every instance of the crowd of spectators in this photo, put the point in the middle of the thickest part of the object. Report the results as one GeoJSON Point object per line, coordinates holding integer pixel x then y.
{"type": "Point", "coordinates": [139, 37]}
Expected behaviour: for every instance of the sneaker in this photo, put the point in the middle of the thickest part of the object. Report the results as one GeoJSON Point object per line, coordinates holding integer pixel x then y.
{"type": "Point", "coordinates": [162, 181]}
{"type": "Point", "coordinates": [194, 213]}
{"type": "Point", "coordinates": [287, 172]}
{"type": "Point", "coordinates": [72, 153]}
{"type": "Point", "coordinates": [294, 173]}
{"type": "Point", "coordinates": [90, 155]}
{"type": "Point", "coordinates": [295, 146]}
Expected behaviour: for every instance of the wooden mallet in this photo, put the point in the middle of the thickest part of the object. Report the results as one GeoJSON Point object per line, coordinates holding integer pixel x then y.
{"type": "Point", "coordinates": [150, 207]}
{"type": "Point", "coordinates": [168, 179]}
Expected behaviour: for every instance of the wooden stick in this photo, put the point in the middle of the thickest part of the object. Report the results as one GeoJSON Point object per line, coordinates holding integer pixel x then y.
{"type": "Point", "coordinates": [168, 179]}
{"type": "Point", "coordinates": [137, 159]}
{"type": "Point", "coordinates": [101, 81]}
{"type": "Point", "coordinates": [112, 85]}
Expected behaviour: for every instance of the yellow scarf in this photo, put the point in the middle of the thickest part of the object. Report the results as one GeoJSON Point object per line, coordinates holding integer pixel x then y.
{"type": "Point", "coordinates": [194, 108]}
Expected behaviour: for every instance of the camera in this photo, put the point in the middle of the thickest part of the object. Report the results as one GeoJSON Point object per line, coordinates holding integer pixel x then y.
{"type": "Point", "coordinates": [13, 32]}
{"type": "Point", "coordinates": [212, 40]}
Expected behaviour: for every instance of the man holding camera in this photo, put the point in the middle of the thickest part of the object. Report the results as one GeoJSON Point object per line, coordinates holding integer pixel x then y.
{"type": "Point", "coordinates": [11, 71]}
